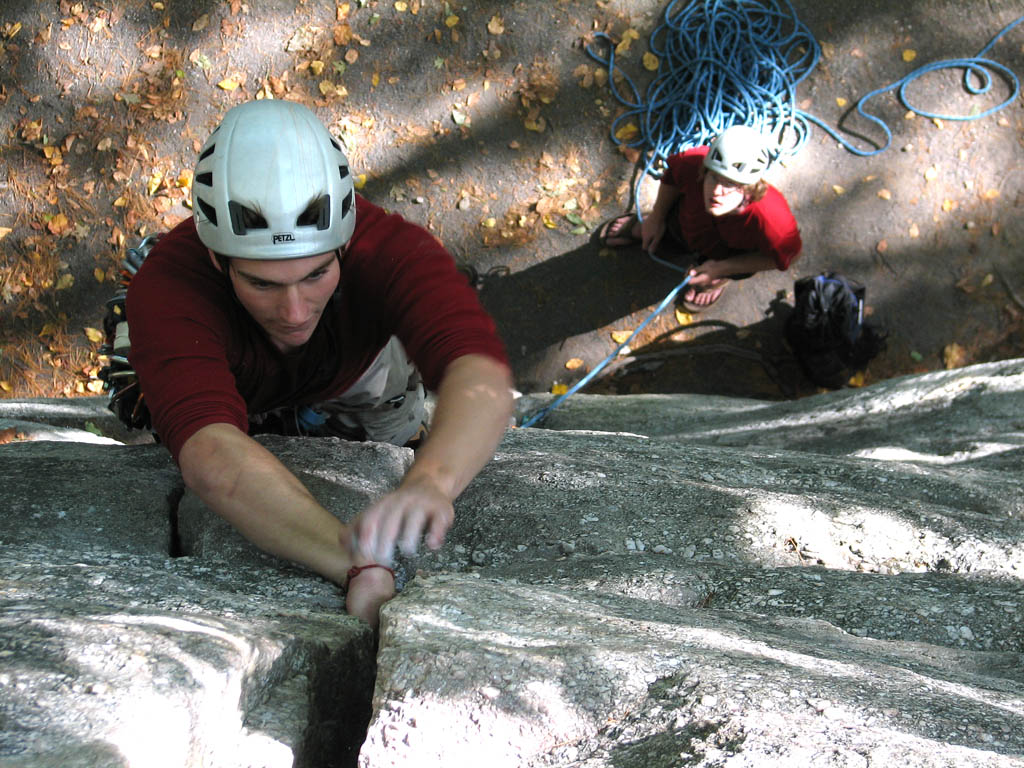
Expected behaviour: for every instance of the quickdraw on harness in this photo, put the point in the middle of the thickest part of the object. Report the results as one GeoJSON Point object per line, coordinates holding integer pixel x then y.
{"type": "Point", "coordinates": [119, 380]}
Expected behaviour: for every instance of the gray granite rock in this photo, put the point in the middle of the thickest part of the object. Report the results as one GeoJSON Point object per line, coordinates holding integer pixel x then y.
{"type": "Point", "coordinates": [948, 417]}
{"type": "Point", "coordinates": [529, 675]}
{"type": "Point", "coordinates": [652, 582]}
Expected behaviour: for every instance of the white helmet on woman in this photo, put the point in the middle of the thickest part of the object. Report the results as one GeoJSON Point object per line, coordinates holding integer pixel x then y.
{"type": "Point", "coordinates": [272, 183]}
{"type": "Point", "coordinates": [739, 154]}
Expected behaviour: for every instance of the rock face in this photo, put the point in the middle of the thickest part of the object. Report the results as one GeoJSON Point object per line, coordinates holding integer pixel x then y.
{"type": "Point", "coordinates": [650, 581]}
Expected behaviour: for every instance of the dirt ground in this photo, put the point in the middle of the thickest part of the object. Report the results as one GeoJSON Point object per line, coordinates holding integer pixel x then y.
{"type": "Point", "coordinates": [483, 121]}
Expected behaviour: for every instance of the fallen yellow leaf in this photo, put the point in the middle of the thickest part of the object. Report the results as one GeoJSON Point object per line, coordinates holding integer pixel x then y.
{"type": "Point", "coordinates": [909, 54]}
{"type": "Point", "coordinates": [316, 67]}
{"type": "Point", "coordinates": [948, 205]}
{"type": "Point", "coordinates": [931, 174]}
{"type": "Point", "coordinates": [559, 389]}
{"type": "Point", "coordinates": [991, 194]}
{"type": "Point", "coordinates": [153, 184]}
{"type": "Point", "coordinates": [58, 224]}
{"type": "Point", "coordinates": [4, 232]}
{"type": "Point", "coordinates": [6, 386]}
{"type": "Point", "coordinates": [987, 280]}
{"type": "Point", "coordinates": [95, 386]}
{"type": "Point", "coordinates": [94, 335]}
{"type": "Point", "coordinates": [650, 61]}
{"type": "Point", "coordinates": [627, 39]}
{"type": "Point", "coordinates": [573, 363]}
{"type": "Point", "coordinates": [954, 356]}
{"type": "Point", "coordinates": [537, 125]}
{"type": "Point", "coordinates": [359, 181]}
{"type": "Point", "coordinates": [885, 194]}
{"type": "Point", "coordinates": [915, 231]}
{"type": "Point", "coordinates": [99, 274]}
{"type": "Point", "coordinates": [66, 281]}
{"type": "Point", "coordinates": [490, 222]}
{"type": "Point", "coordinates": [857, 380]}
{"type": "Point", "coordinates": [840, 101]}
{"type": "Point", "coordinates": [401, 6]}
{"type": "Point", "coordinates": [53, 155]}
{"type": "Point", "coordinates": [683, 318]}
{"type": "Point", "coordinates": [620, 336]}
{"type": "Point", "coordinates": [838, 189]}
{"type": "Point", "coordinates": [627, 132]}
{"type": "Point", "coordinates": [549, 222]}
{"type": "Point", "coordinates": [496, 26]}
{"type": "Point", "coordinates": [375, 80]}
{"type": "Point", "coordinates": [451, 21]}
{"type": "Point", "coordinates": [938, 122]}
{"type": "Point", "coordinates": [228, 84]}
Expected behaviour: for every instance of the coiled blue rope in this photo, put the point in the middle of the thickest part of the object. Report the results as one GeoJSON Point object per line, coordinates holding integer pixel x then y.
{"type": "Point", "coordinates": [723, 62]}
{"type": "Point", "coordinates": [720, 62]}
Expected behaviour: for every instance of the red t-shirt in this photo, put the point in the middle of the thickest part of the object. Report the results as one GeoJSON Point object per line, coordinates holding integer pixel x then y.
{"type": "Point", "coordinates": [201, 359]}
{"type": "Point", "coordinates": [766, 226]}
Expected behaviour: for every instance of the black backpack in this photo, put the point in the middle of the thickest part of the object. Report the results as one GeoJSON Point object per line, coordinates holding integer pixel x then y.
{"type": "Point", "coordinates": [827, 331]}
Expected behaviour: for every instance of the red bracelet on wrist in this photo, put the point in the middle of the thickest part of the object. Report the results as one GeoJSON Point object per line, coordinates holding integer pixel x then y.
{"type": "Point", "coordinates": [355, 570]}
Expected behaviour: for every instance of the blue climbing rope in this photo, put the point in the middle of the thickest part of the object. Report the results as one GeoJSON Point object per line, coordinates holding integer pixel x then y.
{"type": "Point", "coordinates": [540, 415]}
{"type": "Point", "coordinates": [723, 62]}
{"type": "Point", "coordinates": [976, 66]}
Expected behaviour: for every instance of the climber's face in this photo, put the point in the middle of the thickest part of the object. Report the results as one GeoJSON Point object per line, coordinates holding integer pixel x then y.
{"type": "Point", "coordinates": [722, 196]}
{"type": "Point", "coordinates": [287, 297]}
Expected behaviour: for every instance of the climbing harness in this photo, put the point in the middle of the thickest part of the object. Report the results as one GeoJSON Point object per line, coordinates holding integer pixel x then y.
{"type": "Point", "coordinates": [118, 375]}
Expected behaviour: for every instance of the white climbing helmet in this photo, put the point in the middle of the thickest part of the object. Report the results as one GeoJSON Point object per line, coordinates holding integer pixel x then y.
{"type": "Point", "coordinates": [272, 183]}
{"type": "Point", "coordinates": [739, 154]}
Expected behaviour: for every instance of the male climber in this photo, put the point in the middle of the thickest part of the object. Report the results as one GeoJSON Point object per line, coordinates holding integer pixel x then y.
{"type": "Point", "coordinates": [288, 299]}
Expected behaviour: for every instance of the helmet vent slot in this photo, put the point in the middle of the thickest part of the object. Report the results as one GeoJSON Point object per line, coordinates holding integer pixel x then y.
{"type": "Point", "coordinates": [208, 210]}
{"type": "Point", "coordinates": [207, 152]}
{"type": "Point", "coordinates": [317, 213]}
{"type": "Point", "coordinates": [205, 178]}
{"type": "Point", "coordinates": [343, 169]}
{"type": "Point", "coordinates": [243, 219]}
{"type": "Point", "coordinates": [346, 204]}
